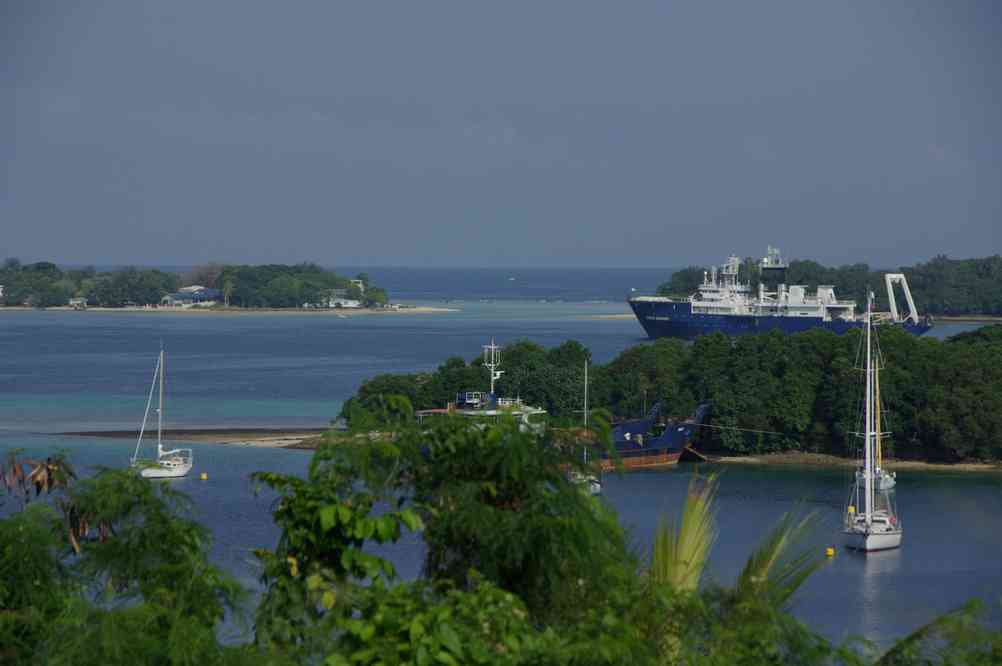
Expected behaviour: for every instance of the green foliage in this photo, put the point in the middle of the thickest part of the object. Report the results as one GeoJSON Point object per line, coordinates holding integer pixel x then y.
{"type": "Point", "coordinates": [417, 623]}
{"type": "Point", "coordinates": [123, 577]}
{"type": "Point", "coordinates": [770, 392]}
{"type": "Point", "coordinates": [498, 501]}
{"type": "Point", "coordinates": [522, 568]}
{"type": "Point", "coordinates": [680, 550]}
{"type": "Point", "coordinates": [782, 563]}
{"type": "Point", "coordinates": [724, 629]}
{"type": "Point", "coordinates": [34, 583]}
{"type": "Point", "coordinates": [288, 286]}
{"type": "Point", "coordinates": [682, 282]}
{"type": "Point", "coordinates": [44, 284]}
{"type": "Point", "coordinates": [964, 636]}
{"type": "Point", "coordinates": [311, 576]}
{"type": "Point", "coordinates": [157, 553]}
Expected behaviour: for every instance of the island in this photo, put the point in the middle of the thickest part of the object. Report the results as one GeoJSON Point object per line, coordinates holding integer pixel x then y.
{"type": "Point", "coordinates": [305, 286]}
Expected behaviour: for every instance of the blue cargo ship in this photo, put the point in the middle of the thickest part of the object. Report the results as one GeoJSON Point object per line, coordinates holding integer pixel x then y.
{"type": "Point", "coordinates": [723, 303]}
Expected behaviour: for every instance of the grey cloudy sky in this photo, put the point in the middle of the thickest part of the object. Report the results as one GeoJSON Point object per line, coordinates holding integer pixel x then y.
{"type": "Point", "coordinates": [499, 134]}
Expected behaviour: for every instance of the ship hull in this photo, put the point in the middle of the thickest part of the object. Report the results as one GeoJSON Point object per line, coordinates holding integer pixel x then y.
{"type": "Point", "coordinates": [638, 450]}
{"type": "Point", "coordinates": [675, 319]}
{"type": "Point", "coordinates": [871, 541]}
{"type": "Point", "coordinates": [635, 460]}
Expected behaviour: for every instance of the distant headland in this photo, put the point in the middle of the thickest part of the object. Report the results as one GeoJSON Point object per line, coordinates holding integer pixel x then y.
{"type": "Point", "coordinates": [212, 287]}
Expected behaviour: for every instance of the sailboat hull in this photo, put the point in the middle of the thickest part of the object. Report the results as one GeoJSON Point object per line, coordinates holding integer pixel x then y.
{"type": "Point", "coordinates": [159, 472]}
{"type": "Point", "coordinates": [871, 541]}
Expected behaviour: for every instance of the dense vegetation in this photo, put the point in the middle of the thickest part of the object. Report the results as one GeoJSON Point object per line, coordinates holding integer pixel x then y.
{"type": "Point", "coordinates": [44, 284]}
{"type": "Point", "coordinates": [941, 286]}
{"type": "Point", "coordinates": [943, 399]}
{"type": "Point", "coordinates": [280, 286]}
{"type": "Point", "coordinates": [520, 567]}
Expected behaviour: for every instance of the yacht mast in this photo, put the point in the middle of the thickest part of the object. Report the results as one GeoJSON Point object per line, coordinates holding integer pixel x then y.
{"type": "Point", "coordinates": [586, 395]}
{"type": "Point", "coordinates": [878, 453]}
{"type": "Point", "coordinates": [868, 468]}
{"type": "Point", "coordinates": [160, 409]}
{"type": "Point", "coordinates": [146, 414]}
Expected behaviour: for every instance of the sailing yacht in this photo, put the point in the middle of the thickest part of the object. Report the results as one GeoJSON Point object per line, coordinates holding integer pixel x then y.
{"type": "Point", "coordinates": [590, 483]}
{"type": "Point", "coordinates": [871, 519]}
{"type": "Point", "coordinates": [170, 463]}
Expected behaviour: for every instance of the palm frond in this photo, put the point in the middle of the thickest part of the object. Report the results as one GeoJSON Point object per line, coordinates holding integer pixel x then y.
{"type": "Point", "coordinates": [782, 563]}
{"type": "Point", "coordinates": [680, 549]}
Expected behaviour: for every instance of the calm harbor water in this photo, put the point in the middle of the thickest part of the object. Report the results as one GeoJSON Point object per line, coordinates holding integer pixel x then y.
{"type": "Point", "coordinates": [75, 371]}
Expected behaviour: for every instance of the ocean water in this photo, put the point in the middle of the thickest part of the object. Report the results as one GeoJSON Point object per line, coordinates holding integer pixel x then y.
{"type": "Point", "coordinates": [514, 284]}
{"type": "Point", "coordinates": [64, 371]}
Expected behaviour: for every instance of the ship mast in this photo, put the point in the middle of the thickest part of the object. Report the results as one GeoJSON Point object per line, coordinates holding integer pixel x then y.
{"type": "Point", "coordinates": [492, 360]}
{"type": "Point", "coordinates": [868, 468]}
{"type": "Point", "coordinates": [160, 408]}
{"type": "Point", "coordinates": [879, 458]}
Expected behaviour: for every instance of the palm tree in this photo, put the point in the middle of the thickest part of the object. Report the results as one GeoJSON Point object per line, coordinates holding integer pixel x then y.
{"type": "Point", "coordinates": [772, 573]}
{"type": "Point", "coordinates": [680, 550]}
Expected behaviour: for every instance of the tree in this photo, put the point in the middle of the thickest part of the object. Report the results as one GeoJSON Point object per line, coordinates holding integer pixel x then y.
{"type": "Point", "coordinates": [682, 282]}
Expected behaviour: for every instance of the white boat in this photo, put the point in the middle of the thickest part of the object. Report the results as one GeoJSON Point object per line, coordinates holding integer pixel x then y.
{"type": "Point", "coordinates": [591, 483]}
{"type": "Point", "coordinates": [169, 463]}
{"type": "Point", "coordinates": [871, 517]}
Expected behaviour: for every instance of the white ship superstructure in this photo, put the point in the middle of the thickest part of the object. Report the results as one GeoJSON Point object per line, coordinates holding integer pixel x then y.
{"type": "Point", "coordinates": [722, 293]}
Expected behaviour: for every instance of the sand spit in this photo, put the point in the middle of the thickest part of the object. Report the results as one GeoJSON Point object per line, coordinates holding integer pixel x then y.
{"type": "Point", "coordinates": [258, 437]}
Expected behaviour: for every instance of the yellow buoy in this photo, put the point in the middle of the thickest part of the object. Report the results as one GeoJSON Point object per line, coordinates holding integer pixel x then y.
{"type": "Point", "coordinates": [830, 552]}
{"type": "Point", "coordinates": [852, 509]}
{"type": "Point", "coordinates": [203, 476]}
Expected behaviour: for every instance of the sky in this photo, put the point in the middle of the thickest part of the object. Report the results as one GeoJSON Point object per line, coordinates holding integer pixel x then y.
{"type": "Point", "coordinates": [556, 133]}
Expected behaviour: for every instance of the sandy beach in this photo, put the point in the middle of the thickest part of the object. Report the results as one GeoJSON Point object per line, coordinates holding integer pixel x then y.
{"type": "Point", "coordinates": [258, 437]}
{"type": "Point", "coordinates": [309, 439]}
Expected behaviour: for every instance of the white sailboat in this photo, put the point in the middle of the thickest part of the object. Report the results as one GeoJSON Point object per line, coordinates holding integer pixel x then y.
{"type": "Point", "coordinates": [876, 526]}
{"type": "Point", "coordinates": [170, 463]}
{"type": "Point", "coordinates": [591, 483]}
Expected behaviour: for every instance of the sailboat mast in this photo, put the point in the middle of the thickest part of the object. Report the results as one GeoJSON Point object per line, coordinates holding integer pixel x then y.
{"type": "Point", "coordinates": [868, 468]}
{"type": "Point", "coordinates": [146, 414]}
{"type": "Point", "coordinates": [160, 409]}
{"type": "Point", "coordinates": [879, 458]}
{"type": "Point", "coordinates": [586, 394]}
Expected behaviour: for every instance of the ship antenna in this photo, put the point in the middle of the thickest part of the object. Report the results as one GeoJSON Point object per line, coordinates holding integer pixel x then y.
{"type": "Point", "coordinates": [492, 359]}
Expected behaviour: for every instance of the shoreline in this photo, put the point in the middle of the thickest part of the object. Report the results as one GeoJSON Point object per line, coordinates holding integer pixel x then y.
{"type": "Point", "coordinates": [274, 438]}
{"type": "Point", "coordinates": [801, 459]}
{"type": "Point", "coordinates": [306, 439]}
{"type": "Point", "coordinates": [973, 319]}
{"type": "Point", "coordinates": [336, 312]}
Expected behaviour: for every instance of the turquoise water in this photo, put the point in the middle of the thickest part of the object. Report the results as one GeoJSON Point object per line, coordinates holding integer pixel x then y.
{"type": "Point", "coordinates": [91, 371]}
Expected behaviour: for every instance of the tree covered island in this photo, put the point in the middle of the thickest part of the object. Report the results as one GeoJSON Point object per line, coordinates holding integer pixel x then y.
{"type": "Point", "coordinates": [44, 284]}
{"type": "Point", "coordinates": [770, 393]}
